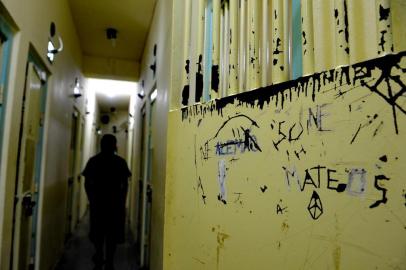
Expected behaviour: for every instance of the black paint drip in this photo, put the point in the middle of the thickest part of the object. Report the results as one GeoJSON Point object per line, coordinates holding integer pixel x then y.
{"type": "Point", "coordinates": [346, 33]}
{"type": "Point", "coordinates": [215, 78]}
{"type": "Point", "coordinates": [357, 75]}
{"type": "Point", "coordinates": [383, 158]}
{"type": "Point", "coordinates": [278, 43]}
{"type": "Point", "coordinates": [185, 95]}
{"type": "Point", "coordinates": [304, 38]}
{"type": "Point", "coordinates": [199, 80]}
{"type": "Point", "coordinates": [383, 13]}
{"type": "Point", "coordinates": [382, 41]}
{"type": "Point", "coordinates": [187, 66]}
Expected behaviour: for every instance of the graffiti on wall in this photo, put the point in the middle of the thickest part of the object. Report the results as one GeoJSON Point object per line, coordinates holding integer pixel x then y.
{"type": "Point", "coordinates": [302, 125]}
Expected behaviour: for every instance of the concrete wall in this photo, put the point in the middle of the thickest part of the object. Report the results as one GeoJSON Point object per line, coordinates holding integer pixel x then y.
{"type": "Point", "coordinates": [92, 118]}
{"type": "Point", "coordinates": [307, 174]}
{"type": "Point", "coordinates": [159, 40]}
{"type": "Point", "coordinates": [33, 20]}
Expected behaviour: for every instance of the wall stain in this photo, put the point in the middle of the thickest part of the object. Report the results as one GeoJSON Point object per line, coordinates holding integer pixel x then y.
{"type": "Point", "coordinates": [200, 261]}
{"type": "Point", "coordinates": [221, 237]}
{"type": "Point", "coordinates": [337, 257]}
{"type": "Point", "coordinates": [285, 226]}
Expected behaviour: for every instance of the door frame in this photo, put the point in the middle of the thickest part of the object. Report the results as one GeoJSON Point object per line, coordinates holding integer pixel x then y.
{"type": "Point", "coordinates": [75, 164]}
{"type": "Point", "coordinates": [42, 71]}
{"type": "Point", "coordinates": [6, 30]}
{"type": "Point", "coordinates": [146, 181]}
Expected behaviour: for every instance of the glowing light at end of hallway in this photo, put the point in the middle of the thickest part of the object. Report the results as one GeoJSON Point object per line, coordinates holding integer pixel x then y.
{"type": "Point", "coordinates": [112, 88]}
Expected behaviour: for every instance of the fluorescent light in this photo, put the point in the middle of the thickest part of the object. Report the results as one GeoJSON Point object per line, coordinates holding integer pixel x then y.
{"type": "Point", "coordinates": [112, 88]}
{"type": "Point", "coordinates": [154, 94]}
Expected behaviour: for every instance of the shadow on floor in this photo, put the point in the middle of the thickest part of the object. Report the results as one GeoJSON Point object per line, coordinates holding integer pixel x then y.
{"type": "Point", "coordinates": [79, 251]}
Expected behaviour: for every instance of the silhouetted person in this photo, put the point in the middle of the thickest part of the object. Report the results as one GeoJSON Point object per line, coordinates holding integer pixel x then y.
{"type": "Point", "coordinates": [106, 182]}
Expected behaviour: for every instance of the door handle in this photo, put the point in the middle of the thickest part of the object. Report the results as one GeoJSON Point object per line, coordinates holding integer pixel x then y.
{"type": "Point", "coordinates": [28, 204]}
{"type": "Point", "coordinates": [149, 193]}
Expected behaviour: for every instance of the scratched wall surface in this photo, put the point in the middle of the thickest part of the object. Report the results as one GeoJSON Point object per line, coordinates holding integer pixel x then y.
{"type": "Point", "coordinates": [308, 174]}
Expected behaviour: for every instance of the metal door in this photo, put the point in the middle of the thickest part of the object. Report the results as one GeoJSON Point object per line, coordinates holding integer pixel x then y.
{"type": "Point", "coordinates": [70, 209]}
{"type": "Point", "coordinates": [29, 165]}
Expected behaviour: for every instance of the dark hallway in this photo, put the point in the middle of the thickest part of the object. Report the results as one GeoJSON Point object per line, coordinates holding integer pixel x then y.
{"type": "Point", "coordinates": [79, 251]}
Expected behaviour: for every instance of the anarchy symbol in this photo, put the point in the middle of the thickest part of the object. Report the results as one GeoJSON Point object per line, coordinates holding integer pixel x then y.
{"type": "Point", "coordinates": [315, 206]}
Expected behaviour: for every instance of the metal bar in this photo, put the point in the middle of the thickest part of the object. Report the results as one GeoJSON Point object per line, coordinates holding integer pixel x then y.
{"type": "Point", "coordinates": [215, 73]}
{"type": "Point", "coordinates": [341, 32]}
{"type": "Point", "coordinates": [186, 53]}
{"type": "Point", "coordinates": [199, 50]}
{"type": "Point", "coordinates": [222, 60]}
{"type": "Point", "coordinates": [247, 29]}
{"type": "Point", "coordinates": [269, 42]}
{"type": "Point", "coordinates": [264, 44]}
{"type": "Point", "coordinates": [307, 37]}
{"type": "Point", "coordinates": [194, 29]}
{"type": "Point", "coordinates": [233, 37]}
{"type": "Point", "coordinates": [288, 35]}
{"type": "Point", "coordinates": [208, 51]}
{"type": "Point", "coordinates": [279, 43]}
{"type": "Point", "coordinates": [384, 27]}
{"type": "Point", "coordinates": [242, 47]}
{"type": "Point", "coordinates": [253, 35]}
{"type": "Point", "coordinates": [324, 34]}
{"type": "Point", "coordinates": [296, 51]}
{"type": "Point", "coordinates": [226, 49]}
{"type": "Point", "coordinates": [362, 28]}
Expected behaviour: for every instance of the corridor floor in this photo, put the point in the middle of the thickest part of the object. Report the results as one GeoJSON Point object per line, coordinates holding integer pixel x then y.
{"type": "Point", "coordinates": [79, 250]}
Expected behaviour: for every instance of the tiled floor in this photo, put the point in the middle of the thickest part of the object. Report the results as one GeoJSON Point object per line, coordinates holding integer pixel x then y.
{"type": "Point", "coordinates": [79, 250]}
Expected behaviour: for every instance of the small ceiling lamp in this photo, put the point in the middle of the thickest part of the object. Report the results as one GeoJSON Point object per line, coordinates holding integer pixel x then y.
{"type": "Point", "coordinates": [111, 34]}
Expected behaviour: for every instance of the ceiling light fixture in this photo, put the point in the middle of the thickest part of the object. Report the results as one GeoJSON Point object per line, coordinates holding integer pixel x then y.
{"type": "Point", "coordinates": [111, 34]}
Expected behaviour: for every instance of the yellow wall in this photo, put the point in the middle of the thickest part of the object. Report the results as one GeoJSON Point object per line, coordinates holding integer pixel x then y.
{"type": "Point", "coordinates": [92, 119]}
{"type": "Point", "coordinates": [159, 36]}
{"type": "Point", "coordinates": [231, 202]}
{"type": "Point", "coordinates": [33, 20]}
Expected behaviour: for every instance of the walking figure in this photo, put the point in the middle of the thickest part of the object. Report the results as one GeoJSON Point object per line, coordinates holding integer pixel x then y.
{"type": "Point", "coordinates": [106, 183]}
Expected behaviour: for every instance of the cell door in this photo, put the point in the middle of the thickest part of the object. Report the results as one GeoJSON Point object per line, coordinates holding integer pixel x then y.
{"type": "Point", "coordinates": [78, 166]}
{"type": "Point", "coordinates": [140, 181]}
{"type": "Point", "coordinates": [72, 179]}
{"type": "Point", "coordinates": [28, 172]}
{"type": "Point", "coordinates": [147, 191]}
